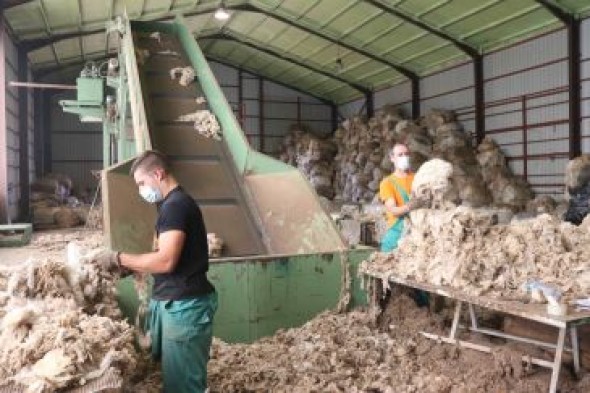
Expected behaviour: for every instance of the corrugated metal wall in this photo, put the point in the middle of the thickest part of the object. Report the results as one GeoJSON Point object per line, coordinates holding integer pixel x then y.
{"type": "Point", "coordinates": [10, 192]}
{"type": "Point", "coordinates": [31, 128]}
{"type": "Point", "coordinates": [280, 107]}
{"type": "Point", "coordinates": [352, 108]}
{"type": "Point", "coordinates": [400, 95]}
{"type": "Point", "coordinates": [585, 75]}
{"type": "Point", "coordinates": [11, 112]}
{"type": "Point", "coordinates": [76, 147]}
{"type": "Point", "coordinates": [527, 108]}
{"type": "Point", "coordinates": [450, 89]}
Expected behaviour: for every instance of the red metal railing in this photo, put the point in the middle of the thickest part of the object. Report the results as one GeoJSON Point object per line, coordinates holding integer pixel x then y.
{"type": "Point", "coordinates": [524, 105]}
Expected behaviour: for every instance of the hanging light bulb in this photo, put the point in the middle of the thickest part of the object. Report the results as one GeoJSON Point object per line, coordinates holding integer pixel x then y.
{"type": "Point", "coordinates": [222, 13]}
{"type": "Point", "coordinates": [339, 62]}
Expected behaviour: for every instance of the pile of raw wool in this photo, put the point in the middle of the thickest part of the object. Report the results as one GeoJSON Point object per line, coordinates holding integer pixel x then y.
{"type": "Point", "coordinates": [349, 353]}
{"type": "Point", "coordinates": [487, 251]}
{"type": "Point", "coordinates": [313, 155]}
{"type": "Point", "coordinates": [480, 177]}
{"type": "Point", "coordinates": [54, 205]}
{"type": "Point", "coordinates": [507, 189]}
{"type": "Point", "coordinates": [185, 75]}
{"type": "Point", "coordinates": [62, 328]}
{"type": "Point", "coordinates": [577, 172]}
{"type": "Point", "coordinates": [94, 218]}
{"type": "Point", "coordinates": [453, 144]}
{"type": "Point", "coordinates": [577, 190]}
{"type": "Point", "coordinates": [363, 160]}
{"type": "Point", "coordinates": [205, 123]}
{"type": "Point", "coordinates": [57, 242]}
{"type": "Point", "coordinates": [333, 352]}
{"type": "Point", "coordinates": [433, 182]}
{"type": "Point", "coordinates": [215, 245]}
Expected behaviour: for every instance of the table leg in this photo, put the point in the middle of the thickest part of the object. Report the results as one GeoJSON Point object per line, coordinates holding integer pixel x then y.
{"type": "Point", "coordinates": [473, 317]}
{"type": "Point", "coordinates": [456, 318]}
{"type": "Point", "coordinates": [575, 348]}
{"type": "Point", "coordinates": [557, 360]}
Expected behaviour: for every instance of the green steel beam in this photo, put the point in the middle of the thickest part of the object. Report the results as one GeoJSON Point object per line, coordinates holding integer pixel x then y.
{"type": "Point", "coordinates": [219, 60]}
{"type": "Point", "coordinates": [38, 43]}
{"type": "Point", "coordinates": [555, 10]}
{"type": "Point", "coordinates": [225, 35]}
{"type": "Point", "coordinates": [353, 48]}
{"type": "Point", "coordinates": [469, 13]}
{"type": "Point", "coordinates": [35, 44]}
{"type": "Point", "coordinates": [499, 22]}
{"type": "Point", "coordinates": [15, 3]}
{"type": "Point", "coordinates": [80, 23]}
{"type": "Point", "coordinates": [48, 28]}
{"type": "Point", "coordinates": [462, 46]}
{"type": "Point", "coordinates": [72, 60]}
{"type": "Point", "coordinates": [295, 23]}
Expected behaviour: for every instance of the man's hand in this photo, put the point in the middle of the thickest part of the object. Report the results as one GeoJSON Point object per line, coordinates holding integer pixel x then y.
{"type": "Point", "coordinates": [108, 260]}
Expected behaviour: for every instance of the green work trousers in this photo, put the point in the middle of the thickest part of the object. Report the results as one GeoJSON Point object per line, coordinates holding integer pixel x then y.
{"type": "Point", "coordinates": [181, 333]}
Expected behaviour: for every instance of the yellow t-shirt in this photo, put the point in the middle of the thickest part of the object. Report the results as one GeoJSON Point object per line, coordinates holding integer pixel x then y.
{"type": "Point", "coordinates": [387, 190]}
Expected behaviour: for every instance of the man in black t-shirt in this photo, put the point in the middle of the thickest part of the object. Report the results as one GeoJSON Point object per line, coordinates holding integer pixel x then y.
{"type": "Point", "coordinates": [183, 300]}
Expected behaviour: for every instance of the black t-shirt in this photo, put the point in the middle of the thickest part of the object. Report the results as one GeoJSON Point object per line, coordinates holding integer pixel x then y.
{"type": "Point", "coordinates": [178, 211]}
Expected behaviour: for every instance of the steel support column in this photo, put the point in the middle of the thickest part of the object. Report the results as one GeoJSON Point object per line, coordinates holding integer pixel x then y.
{"type": "Point", "coordinates": [480, 116]}
{"type": "Point", "coordinates": [574, 58]}
{"type": "Point", "coordinates": [3, 133]}
{"type": "Point", "coordinates": [573, 54]}
{"type": "Point", "coordinates": [37, 131]}
{"type": "Point", "coordinates": [46, 121]}
{"type": "Point", "coordinates": [415, 97]}
{"type": "Point", "coordinates": [370, 104]}
{"type": "Point", "coordinates": [298, 111]}
{"type": "Point", "coordinates": [241, 98]}
{"type": "Point", "coordinates": [334, 109]}
{"type": "Point", "coordinates": [525, 139]}
{"type": "Point", "coordinates": [23, 132]}
{"type": "Point", "coordinates": [261, 113]}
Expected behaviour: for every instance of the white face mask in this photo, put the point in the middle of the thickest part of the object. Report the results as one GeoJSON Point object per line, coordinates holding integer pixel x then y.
{"type": "Point", "coordinates": [150, 194]}
{"type": "Point", "coordinates": [402, 163]}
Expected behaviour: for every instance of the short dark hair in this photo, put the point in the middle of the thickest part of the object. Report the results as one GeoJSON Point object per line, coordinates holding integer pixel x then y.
{"type": "Point", "coordinates": [150, 160]}
{"type": "Point", "coordinates": [401, 143]}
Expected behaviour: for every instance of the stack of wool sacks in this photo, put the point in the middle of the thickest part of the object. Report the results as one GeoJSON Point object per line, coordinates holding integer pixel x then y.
{"type": "Point", "coordinates": [480, 176]}
{"type": "Point", "coordinates": [313, 156]}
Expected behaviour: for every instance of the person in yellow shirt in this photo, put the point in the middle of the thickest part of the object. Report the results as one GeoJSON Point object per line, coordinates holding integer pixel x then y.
{"type": "Point", "coordinates": [394, 192]}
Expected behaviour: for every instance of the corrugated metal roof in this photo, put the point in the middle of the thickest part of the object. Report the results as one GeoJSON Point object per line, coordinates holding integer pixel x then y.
{"type": "Point", "coordinates": [379, 42]}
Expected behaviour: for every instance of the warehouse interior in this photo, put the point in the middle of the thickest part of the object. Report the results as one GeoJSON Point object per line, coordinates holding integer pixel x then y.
{"type": "Point", "coordinates": [280, 119]}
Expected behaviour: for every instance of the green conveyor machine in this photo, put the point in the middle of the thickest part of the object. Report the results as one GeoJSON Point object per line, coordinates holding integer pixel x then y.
{"type": "Point", "coordinates": [283, 258]}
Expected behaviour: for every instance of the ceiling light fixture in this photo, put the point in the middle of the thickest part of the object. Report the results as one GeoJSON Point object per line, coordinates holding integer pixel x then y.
{"type": "Point", "coordinates": [339, 62]}
{"type": "Point", "coordinates": [222, 13]}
